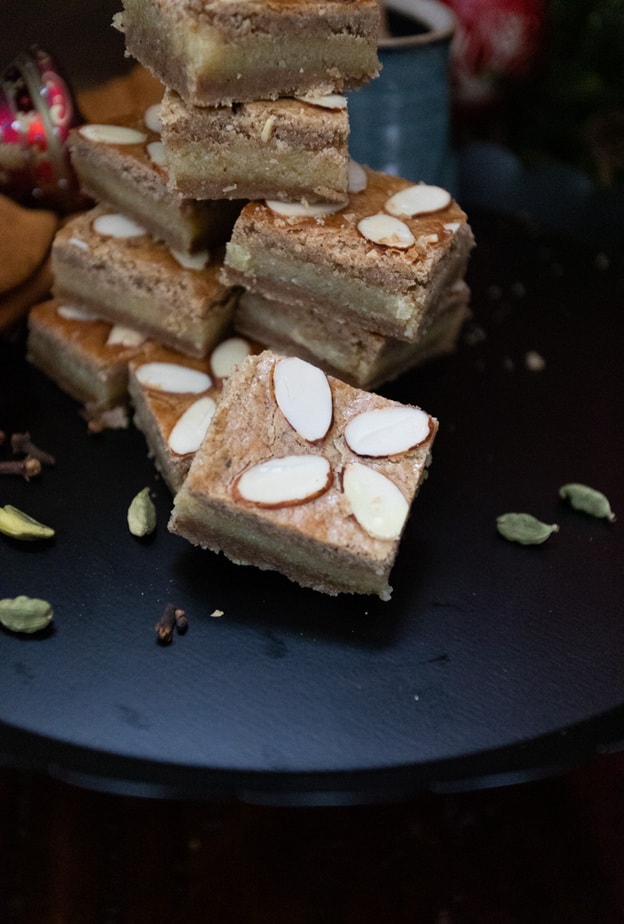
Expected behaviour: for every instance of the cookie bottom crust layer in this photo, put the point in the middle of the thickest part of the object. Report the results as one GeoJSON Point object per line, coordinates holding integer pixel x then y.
{"type": "Point", "coordinates": [77, 380]}
{"type": "Point", "coordinates": [124, 178]}
{"type": "Point", "coordinates": [262, 150]}
{"type": "Point", "coordinates": [172, 468]}
{"type": "Point", "coordinates": [327, 264]}
{"type": "Point", "coordinates": [281, 278]}
{"type": "Point", "coordinates": [137, 282]}
{"type": "Point", "coordinates": [309, 564]}
{"type": "Point", "coordinates": [75, 355]}
{"type": "Point", "coordinates": [142, 312]}
{"type": "Point", "coordinates": [247, 51]}
{"type": "Point", "coordinates": [345, 350]}
{"type": "Point", "coordinates": [155, 413]}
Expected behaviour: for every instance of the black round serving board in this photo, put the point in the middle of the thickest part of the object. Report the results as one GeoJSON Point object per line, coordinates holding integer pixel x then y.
{"type": "Point", "coordinates": [492, 662]}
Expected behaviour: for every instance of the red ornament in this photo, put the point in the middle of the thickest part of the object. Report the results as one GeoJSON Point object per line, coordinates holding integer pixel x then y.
{"type": "Point", "coordinates": [37, 111]}
{"type": "Point", "coordinates": [494, 39]}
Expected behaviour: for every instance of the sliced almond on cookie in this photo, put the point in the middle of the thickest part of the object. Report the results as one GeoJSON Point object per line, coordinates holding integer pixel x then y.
{"type": "Point", "coordinates": [357, 178]}
{"type": "Point", "coordinates": [268, 128]}
{"type": "Point", "coordinates": [112, 134]}
{"type": "Point", "coordinates": [227, 355]}
{"type": "Point", "coordinates": [376, 503]}
{"type": "Point", "coordinates": [387, 431]}
{"type": "Point", "coordinates": [420, 199]}
{"type": "Point", "coordinates": [114, 224]}
{"type": "Point", "coordinates": [120, 335]}
{"type": "Point", "coordinates": [285, 481]}
{"type": "Point", "coordinates": [156, 153]}
{"type": "Point", "coordinates": [330, 101]}
{"type": "Point", "coordinates": [386, 230]}
{"type": "Point", "coordinates": [195, 261]}
{"type": "Point", "coordinates": [190, 429]}
{"type": "Point", "coordinates": [303, 209]}
{"type": "Point", "coordinates": [304, 397]}
{"type": "Point", "coordinates": [173, 377]}
{"type": "Point", "coordinates": [77, 313]}
{"type": "Point", "coordinates": [151, 117]}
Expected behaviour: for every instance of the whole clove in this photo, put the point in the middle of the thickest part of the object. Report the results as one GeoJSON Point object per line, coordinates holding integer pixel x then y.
{"type": "Point", "coordinates": [181, 621]}
{"type": "Point", "coordinates": [27, 467]}
{"type": "Point", "coordinates": [22, 444]}
{"type": "Point", "coordinates": [172, 618]}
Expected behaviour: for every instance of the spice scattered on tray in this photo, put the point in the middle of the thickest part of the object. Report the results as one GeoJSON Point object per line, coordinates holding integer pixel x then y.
{"type": "Point", "coordinates": [142, 514]}
{"type": "Point", "coordinates": [172, 618]}
{"type": "Point", "coordinates": [22, 444]}
{"type": "Point", "coordinates": [27, 467]}
{"type": "Point", "coordinates": [587, 500]}
{"type": "Point", "coordinates": [19, 525]}
{"type": "Point", "coordinates": [25, 615]}
{"type": "Point", "coordinates": [524, 528]}
{"type": "Point", "coordinates": [32, 457]}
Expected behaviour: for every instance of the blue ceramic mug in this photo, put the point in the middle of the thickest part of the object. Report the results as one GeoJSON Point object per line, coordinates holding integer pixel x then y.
{"type": "Point", "coordinates": [400, 122]}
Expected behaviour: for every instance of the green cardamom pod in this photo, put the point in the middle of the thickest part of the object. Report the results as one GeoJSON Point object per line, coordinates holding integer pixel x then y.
{"type": "Point", "coordinates": [25, 614]}
{"type": "Point", "coordinates": [588, 500]}
{"type": "Point", "coordinates": [20, 525]}
{"type": "Point", "coordinates": [142, 514]}
{"type": "Point", "coordinates": [524, 528]}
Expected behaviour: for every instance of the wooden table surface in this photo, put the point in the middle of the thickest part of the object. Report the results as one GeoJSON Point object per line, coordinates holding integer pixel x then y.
{"type": "Point", "coordinates": [550, 852]}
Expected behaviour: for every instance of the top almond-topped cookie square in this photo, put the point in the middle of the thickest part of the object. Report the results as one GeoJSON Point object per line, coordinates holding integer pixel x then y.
{"type": "Point", "coordinates": [215, 52]}
{"type": "Point", "coordinates": [303, 474]}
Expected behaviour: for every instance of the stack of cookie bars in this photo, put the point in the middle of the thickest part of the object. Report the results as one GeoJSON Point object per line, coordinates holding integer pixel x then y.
{"type": "Point", "coordinates": [138, 301]}
{"type": "Point", "coordinates": [228, 216]}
